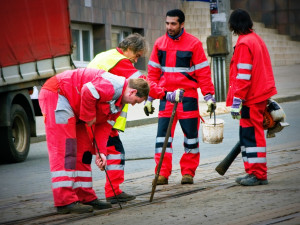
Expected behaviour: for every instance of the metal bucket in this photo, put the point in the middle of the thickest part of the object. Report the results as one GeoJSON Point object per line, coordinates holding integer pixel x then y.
{"type": "Point", "coordinates": [212, 133]}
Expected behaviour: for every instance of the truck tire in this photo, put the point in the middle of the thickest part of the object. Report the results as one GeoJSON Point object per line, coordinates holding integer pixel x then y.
{"type": "Point", "coordinates": [16, 138]}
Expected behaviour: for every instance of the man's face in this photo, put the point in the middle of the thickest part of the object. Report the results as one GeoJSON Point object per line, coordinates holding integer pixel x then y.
{"type": "Point", "coordinates": [173, 26]}
{"type": "Point", "coordinates": [133, 57]}
{"type": "Point", "coordinates": [131, 98]}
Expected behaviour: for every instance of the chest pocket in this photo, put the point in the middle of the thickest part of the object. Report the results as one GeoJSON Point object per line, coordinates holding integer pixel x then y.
{"type": "Point", "coordinates": [162, 57]}
{"type": "Point", "coordinates": [183, 58]}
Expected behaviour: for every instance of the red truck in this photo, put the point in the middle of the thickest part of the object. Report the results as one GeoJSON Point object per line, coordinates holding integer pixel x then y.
{"type": "Point", "coordinates": [35, 44]}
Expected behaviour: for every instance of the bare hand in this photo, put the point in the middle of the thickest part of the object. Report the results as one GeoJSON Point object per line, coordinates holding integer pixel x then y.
{"type": "Point", "coordinates": [101, 162]}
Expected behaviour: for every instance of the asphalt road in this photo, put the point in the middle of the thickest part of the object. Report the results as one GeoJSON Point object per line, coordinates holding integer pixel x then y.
{"type": "Point", "coordinates": [33, 176]}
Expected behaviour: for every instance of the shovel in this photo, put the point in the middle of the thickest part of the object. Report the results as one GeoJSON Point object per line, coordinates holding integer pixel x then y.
{"type": "Point", "coordinates": [163, 150]}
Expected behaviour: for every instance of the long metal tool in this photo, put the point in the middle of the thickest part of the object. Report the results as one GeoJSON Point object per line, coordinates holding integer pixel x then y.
{"type": "Point", "coordinates": [163, 150]}
{"type": "Point", "coordinates": [98, 151]}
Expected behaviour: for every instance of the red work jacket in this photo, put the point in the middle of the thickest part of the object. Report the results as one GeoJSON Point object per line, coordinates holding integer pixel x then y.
{"type": "Point", "coordinates": [94, 93]}
{"type": "Point", "coordinates": [179, 63]}
{"type": "Point", "coordinates": [251, 76]}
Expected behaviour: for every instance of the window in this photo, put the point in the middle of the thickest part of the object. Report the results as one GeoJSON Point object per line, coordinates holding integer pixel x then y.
{"type": "Point", "coordinates": [118, 34]}
{"type": "Point", "coordinates": [82, 36]}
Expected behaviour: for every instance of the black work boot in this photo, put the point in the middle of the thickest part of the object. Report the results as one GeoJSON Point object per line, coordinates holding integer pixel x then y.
{"type": "Point", "coordinates": [98, 205]}
{"type": "Point", "coordinates": [239, 179]}
{"type": "Point", "coordinates": [75, 207]}
{"type": "Point", "coordinates": [123, 197]}
{"type": "Point", "coordinates": [252, 180]}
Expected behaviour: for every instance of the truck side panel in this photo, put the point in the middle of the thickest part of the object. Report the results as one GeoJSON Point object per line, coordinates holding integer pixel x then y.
{"type": "Point", "coordinates": [33, 30]}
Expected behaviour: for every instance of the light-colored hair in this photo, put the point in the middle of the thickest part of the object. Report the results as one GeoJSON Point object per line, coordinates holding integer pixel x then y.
{"type": "Point", "coordinates": [141, 85]}
{"type": "Point", "coordinates": [135, 42]}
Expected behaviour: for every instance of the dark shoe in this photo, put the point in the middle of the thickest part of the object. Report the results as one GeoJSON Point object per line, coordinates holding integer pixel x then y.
{"type": "Point", "coordinates": [187, 179]}
{"type": "Point", "coordinates": [239, 179]}
{"type": "Point", "coordinates": [161, 180]}
{"type": "Point", "coordinates": [98, 205]}
{"type": "Point", "coordinates": [75, 207]}
{"type": "Point", "coordinates": [123, 197]}
{"type": "Point", "coordinates": [253, 181]}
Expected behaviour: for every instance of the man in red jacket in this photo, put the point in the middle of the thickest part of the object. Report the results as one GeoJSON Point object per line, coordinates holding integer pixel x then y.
{"type": "Point", "coordinates": [251, 84]}
{"type": "Point", "coordinates": [178, 62]}
{"type": "Point", "coordinates": [68, 101]}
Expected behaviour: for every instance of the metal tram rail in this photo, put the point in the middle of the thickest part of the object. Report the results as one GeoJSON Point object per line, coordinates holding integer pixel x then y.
{"type": "Point", "coordinates": [169, 192]}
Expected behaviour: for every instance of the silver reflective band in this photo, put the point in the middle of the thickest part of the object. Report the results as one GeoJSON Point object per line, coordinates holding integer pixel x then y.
{"type": "Point", "coordinates": [244, 66]}
{"type": "Point", "coordinates": [115, 167]}
{"type": "Point", "coordinates": [243, 76]}
{"type": "Point", "coordinates": [63, 173]}
{"type": "Point", "coordinates": [257, 160]}
{"type": "Point", "coordinates": [193, 150]}
{"type": "Point", "coordinates": [93, 90]}
{"type": "Point", "coordinates": [191, 141]}
{"type": "Point", "coordinates": [72, 184]}
{"type": "Point", "coordinates": [162, 139]}
{"type": "Point", "coordinates": [201, 65]}
{"type": "Point", "coordinates": [111, 122]}
{"type": "Point", "coordinates": [123, 114]}
{"type": "Point", "coordinates": [119, 156]}
{"type": "Point", "coordinates": [155, 65]}
{"type": "Point", "coordinates": [159, 150]}
{"type": "Point", "coordinates": [245, 159]}
{"type": "Point", "coordinates": [255, 149]}
{"type": "Point", "coordinates": [117, 82]}
{"type": "Point", "coordinates": [135, 75]}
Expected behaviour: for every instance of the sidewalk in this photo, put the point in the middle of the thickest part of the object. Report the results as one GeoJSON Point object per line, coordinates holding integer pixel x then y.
{"type": "Point", "coordinates": [287, 82]}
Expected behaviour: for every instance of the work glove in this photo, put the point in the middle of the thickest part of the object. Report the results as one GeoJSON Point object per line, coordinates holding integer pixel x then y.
{"type": "Point", "coordinates": [236, 107]}
{"type": "Point", "coordinates": [148, 108]}
{"type": "Point", "coordinates": [211, 103]}
{"type": "Point", "coordinates": [175, 96]}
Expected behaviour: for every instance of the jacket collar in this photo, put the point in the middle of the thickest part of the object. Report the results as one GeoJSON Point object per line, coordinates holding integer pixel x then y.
{"type": "Point", "coordinates": [178, 37]}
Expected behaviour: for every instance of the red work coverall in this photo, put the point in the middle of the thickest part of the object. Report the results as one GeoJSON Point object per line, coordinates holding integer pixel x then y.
{"type": "Point", "coordinates": [179, 63]}
{"type": "Point", "coordinates": [66, 100]}
{"type": "Point", "coordinates": [251, 79]}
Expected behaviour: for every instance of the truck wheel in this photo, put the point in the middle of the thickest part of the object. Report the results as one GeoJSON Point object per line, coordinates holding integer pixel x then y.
{"type": "Point", "coordinates": [16, 138]}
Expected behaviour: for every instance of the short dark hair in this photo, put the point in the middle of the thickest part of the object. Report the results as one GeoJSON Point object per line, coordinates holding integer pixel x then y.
{"type": "Point", "coordinates": [178, 13]}
{"type": "Point", "coordinates": [240, 22]}
{"type": "Point", "coordinates": [141, 85]}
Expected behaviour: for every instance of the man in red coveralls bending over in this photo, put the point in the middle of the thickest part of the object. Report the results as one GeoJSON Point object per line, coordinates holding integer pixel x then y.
{"type": "Point", "coordinates": [68, 101]}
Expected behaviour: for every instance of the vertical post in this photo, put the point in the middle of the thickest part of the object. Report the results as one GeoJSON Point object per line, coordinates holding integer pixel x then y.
{"type": "Point", "coordinates": [220, 10]}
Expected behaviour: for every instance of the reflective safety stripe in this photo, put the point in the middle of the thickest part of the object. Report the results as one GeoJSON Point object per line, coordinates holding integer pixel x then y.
{"type": "Point", "coordinates": [137, 74]}
{"type": "Point", "coordinates": [255, 149]}
{"type": "Point", "coordinates": [63, 173]}
{"type": "Point", "coordinates": [179, 69]}
{"type": "Point", "coordinates": [117, 82]}
{"type": "Point", "coordinates": [112, 156]}
{"type": "Point", "coordinates": [111, 122]}
{"type": "Point", "coordinates": [159, 150]}
{"type": "Point", "coordinates": [121, 120]}
{"type": "Point", "coordinates": [201, 65]}
{"type": "Point", "coordinates": [72, 184]}
{"type": "Point", "coordinates": [154, 64]}
{"type": "Point", "coordinates": [243, 76]}
{"type": "Point", "coordinates": [191, 141]}
{"type": "Point", "coordinates": [162, 139]}
{"type": "Point", "coordinates": [193, 151]}
{"type": "Point", "coordinates": [113, 108]}
{"type": "Point", "coordinates": [93, 90]}
{"type": "Point", "coordinates": [257, 160]}
{"type": "Point", "coordinates": [115, 167]}
{"type": "Point", "coordinates": [244, 66]}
